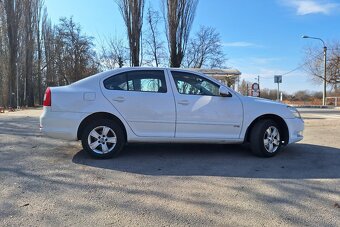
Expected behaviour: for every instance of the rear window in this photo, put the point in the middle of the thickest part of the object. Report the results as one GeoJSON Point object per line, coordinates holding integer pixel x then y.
{"type": "Point", "coordinates": [143, 81]}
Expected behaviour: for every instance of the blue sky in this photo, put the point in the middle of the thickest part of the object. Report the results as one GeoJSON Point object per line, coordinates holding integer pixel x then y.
{"type": "Point", "coordinates": [260, 37]}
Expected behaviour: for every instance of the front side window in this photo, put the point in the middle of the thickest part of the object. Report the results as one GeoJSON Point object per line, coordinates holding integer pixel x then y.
{"type": "Point", "coordinates": [144, 81]}
{"type": "Point", "coordinates": [191, 84]}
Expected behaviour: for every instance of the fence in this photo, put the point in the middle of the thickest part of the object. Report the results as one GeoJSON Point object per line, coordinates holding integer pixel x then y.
{"type": "Point", "coordinates": [333, 101]}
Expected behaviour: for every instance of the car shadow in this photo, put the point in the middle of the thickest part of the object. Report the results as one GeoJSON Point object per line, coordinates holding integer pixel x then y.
{"type": "Point", "coordinates": [296, 161]}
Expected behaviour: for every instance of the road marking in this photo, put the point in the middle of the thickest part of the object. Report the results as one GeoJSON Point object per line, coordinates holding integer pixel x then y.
{"type": "Point", "coordinates": [326, 116]}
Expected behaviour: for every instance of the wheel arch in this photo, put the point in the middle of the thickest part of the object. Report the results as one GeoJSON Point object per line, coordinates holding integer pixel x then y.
{"type": "Point", "coordinates": [279, 120]}
{"type": "Point", "coordinates": [100, 115]}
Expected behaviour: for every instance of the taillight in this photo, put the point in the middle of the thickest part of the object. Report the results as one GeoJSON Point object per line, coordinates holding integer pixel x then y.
{"type": "Point", "coordinates": [47, 97]}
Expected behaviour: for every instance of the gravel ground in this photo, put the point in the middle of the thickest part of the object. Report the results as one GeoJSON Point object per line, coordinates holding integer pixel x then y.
{"type": "Point", "coordinates": [48, 182]}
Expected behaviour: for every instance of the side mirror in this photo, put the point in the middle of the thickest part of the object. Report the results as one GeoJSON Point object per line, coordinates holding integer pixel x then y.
{"type": "Point", "coordinates": [224, 92]}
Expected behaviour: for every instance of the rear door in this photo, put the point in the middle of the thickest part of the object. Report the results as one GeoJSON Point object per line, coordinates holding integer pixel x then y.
{"type": "Point", "coordinates": [202, 112]}
{"type": "Point", "coordinates": [144, 99]}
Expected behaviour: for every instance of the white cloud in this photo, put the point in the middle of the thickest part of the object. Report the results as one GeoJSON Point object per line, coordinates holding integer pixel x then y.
{"type": "Point", "coordinates": [239, 44]}
{"type": "Point", "coordinates": [304, 7]}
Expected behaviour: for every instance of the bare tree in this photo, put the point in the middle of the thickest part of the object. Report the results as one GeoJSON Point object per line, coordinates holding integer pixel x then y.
{"type": "Point", "coordinates": [333, 66]}
{"type": "Point", "coordinates": [244, 87]}
{"type": "Point", "coordinates": [39, 50]}
{"type": "Point", "coordinates": [30, 14]}
{"type": "Point", "coordinates": [132, 13]}
{"type": "Point", "coordinates": [314, 64]}
{"type": "Point", "coordinates": [270, 93]}
{"type": "Point", "coordinates": [18, 63]}
{"type": "Point", "coordinates": [49, 59]}
{"type": "Point", "coordinates": [13, 13]}
{"type": "Point", "coordinates": [114, 53]}
{"type": "Point", "coordinates": [154, 46]}
{"type": "Point", "coordinates": [179, 16]}
{"type": "Point", "coordinates": [3, 57]}
{"type": "Point", "coordinates": [205, 50]}
{"type": "Point", "coordinates": [35, 54]}
{"type": "Point", "coordinates": [74, 53]}
{"type": "Point", "coordinates": [53, 53]}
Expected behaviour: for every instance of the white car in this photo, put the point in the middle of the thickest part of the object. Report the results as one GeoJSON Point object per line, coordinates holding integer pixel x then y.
{"type": "Point", "coordinates": [163, 105]}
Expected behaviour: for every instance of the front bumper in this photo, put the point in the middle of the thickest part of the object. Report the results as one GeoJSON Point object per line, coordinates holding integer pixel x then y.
{"type": "Point", "coordinates": [295, 128]}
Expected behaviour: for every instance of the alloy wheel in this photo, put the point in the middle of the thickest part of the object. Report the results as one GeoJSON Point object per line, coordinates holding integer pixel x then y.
{"type": "Point", "coordinates": [102, 139]}
{"type": "Point", "coordinates": [271, 139]}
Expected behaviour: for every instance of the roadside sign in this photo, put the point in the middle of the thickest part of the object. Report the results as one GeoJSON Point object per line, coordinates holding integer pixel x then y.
{"type": "Point", "coordinates": [256, 93]}
{"type": "Point", "coordinates": [255, 86]}
{"type": "Point", "coordinates": [278, 79]}
{"type": "Point", "coordinates": [255, 90]}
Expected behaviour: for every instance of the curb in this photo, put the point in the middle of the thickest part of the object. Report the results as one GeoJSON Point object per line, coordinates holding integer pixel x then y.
{"type": "Point", "coordinates": [315, 106]}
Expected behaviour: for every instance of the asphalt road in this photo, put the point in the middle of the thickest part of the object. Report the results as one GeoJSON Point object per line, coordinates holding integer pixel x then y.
{"type": "Point", "coordinates": [52, 182]}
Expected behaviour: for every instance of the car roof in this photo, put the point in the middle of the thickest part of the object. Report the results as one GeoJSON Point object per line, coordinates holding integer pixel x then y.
{"type": "Point", "coordinates": [101, 75]}
{"type": "Point", "coordinates": [149, 68]}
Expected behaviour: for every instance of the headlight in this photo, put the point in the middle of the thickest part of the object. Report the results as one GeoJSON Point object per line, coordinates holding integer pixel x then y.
{"type": "Point", "coordinates": [294, 111]}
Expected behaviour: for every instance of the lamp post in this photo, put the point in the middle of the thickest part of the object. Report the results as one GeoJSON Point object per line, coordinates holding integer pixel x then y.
{"type": "Point", "coordinates": [325, 66]}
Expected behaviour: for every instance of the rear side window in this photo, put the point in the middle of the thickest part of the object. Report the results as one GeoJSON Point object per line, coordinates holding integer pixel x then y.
{"type": "Point", "coordinates": [144, 81]}
{"type": "Point", "coordinates": [117, 82]}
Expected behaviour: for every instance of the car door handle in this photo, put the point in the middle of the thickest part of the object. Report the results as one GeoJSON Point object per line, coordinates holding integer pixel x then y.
{"type": "Point", "coordinates": [183, 102]}
{"type": "Point", "coordinates": [119, 99]}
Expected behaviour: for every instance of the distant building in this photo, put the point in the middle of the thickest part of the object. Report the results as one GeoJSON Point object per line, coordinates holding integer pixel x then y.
{"type": "Point", "coordinates": [230, 77]}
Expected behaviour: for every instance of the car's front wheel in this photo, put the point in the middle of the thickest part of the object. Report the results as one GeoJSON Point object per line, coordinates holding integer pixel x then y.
{"type": "Point", "coordinates": [266, 138]}
{"type": "Point", "coordinates": [103, 139]}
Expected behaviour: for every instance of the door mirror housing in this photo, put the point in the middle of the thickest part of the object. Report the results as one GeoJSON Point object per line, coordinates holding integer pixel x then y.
{"type": "Point", "coordinates": [224, 92]}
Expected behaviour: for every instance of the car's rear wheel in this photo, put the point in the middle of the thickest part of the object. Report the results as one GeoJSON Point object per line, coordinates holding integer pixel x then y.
{"type": "Point", "coordinates": [103, 139]}
{"type": "Point", "coordinates": [265, 138]}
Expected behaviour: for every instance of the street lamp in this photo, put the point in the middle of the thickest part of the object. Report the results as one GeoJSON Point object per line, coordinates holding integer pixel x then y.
{"type": "Point", "coordinates": [325, 66]}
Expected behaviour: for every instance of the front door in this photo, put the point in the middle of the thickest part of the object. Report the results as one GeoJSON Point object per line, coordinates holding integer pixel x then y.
{"type": "Point", "coordinates": [202, 112]}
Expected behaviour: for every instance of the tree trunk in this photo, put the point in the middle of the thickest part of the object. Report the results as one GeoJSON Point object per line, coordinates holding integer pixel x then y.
{"type": "Point", "coordinates": [12, 15]}
{"type": "Point", "coordinates": [39, 70]}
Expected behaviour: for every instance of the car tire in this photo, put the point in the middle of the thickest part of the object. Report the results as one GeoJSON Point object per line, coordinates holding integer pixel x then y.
{"type": "Point", "coordinates": [103, 139]}
{"type": "Point", "coordinates": [265, 138]}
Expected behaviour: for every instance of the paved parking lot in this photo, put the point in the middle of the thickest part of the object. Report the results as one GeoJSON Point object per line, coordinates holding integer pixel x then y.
{"type": "Point", "coordinates": [52, 182]}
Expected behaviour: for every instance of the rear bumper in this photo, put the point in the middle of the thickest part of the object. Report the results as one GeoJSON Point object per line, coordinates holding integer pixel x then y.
{"type": "Point", "coordinates": [60, 125]}
{"type": "Point", "coordinates": [295, 128]}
